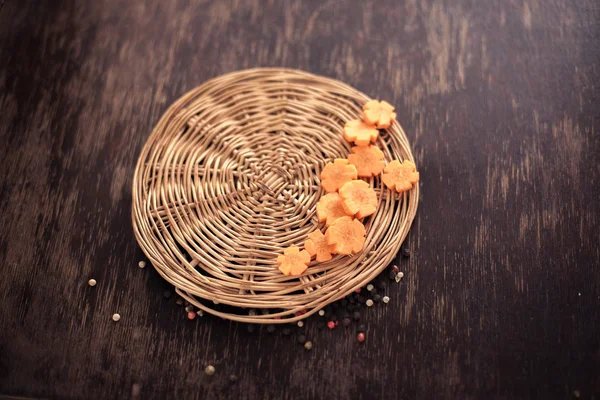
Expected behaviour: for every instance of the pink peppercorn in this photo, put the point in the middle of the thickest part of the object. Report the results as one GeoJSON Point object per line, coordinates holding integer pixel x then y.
{"type": "Point", "coordinates": [191, 315]}
{"type": "Point", "coordinates": [357, 290]}
{"type": "Point", "coordinates": [360, 337]}
{"type": "Point", "coordinates": [395, 268]}
{"type": "Point", "coordinates": [336, 323]}
{"type": "Point", "coordinates": [331, 324]}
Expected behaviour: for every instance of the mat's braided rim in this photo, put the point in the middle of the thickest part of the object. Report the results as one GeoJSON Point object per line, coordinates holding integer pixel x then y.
{"type": "Point", "coordinates": [230, 177]}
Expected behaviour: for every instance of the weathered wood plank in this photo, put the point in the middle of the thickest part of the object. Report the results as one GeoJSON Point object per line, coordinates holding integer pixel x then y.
{"type": "Point", "coordinates": [500, 100]}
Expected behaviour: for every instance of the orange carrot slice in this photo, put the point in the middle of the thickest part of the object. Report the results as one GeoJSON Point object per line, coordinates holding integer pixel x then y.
{"type": "Point", "coordinates": [316, 245]}
{"type": "Point", "coordinates": [293, 261]}
{"type": "Point", "coordinates": [358, 199]}
{"type": "Point", "coordinates": [360, 133]}
{"type": "Point", "coordinates": [381, 114]}
{"type": "Point", "coordinates": [400, 176]}
{"type": "Point", "coordinates": [335, 174]}
{"type": "Point", "coordinates": [346, 236]}
{"type": "Point", "coordinates": [329, 208]}
{"type": "Point", "coordinates": [367, 160]}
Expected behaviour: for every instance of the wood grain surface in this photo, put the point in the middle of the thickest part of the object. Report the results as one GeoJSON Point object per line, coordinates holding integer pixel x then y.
{"type": "Point", "coordinates": [501, 298]}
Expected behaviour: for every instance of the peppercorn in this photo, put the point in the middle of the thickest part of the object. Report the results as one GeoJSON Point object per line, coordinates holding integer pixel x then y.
{"type": "Point", "coordinates": [321, 325]}
{"type": "Point", "coordinates": [167, 294]}
{"type": "Point", "coordinates": [270, 328]}
{"type": "Point", "coordinates": [301, 339]}
{"type": "Point", "coordinates": [405, 252]}
{"type": "Point", "coordinates": [346, 321]}
{"type": "Point", "coordinates": [360, 337]}
{"type": "Point", "coordinates": [361, 328]}
{"type": "Point", "coordinates": [351, 307]}
{"type": "Point", "coordinates": [191, 315]}
{"type": "Point", "coordinates": [308, 345]}
{"type": "Point", "coordinates": [331, 324]}
{"type": "Point", "coordinates": [369, 303]}
{"type": "Point", "coordinates": [286, 331]}
{"type": "Point", "coordinates": [392, 275]}
{"type": "Point", "coordinates": [250, 328]}
{"type": "Point", "coordinates": [356, 315]}
{"type": "Point", "coordinates": [377, 298]}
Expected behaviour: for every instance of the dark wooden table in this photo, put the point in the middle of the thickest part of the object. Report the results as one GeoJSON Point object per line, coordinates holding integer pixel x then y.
{"type": "Point", "coordinates": [500, 99]}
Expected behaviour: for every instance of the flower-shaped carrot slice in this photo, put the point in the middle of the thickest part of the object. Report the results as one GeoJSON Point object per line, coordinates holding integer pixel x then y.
{"type": "Point", "coordinates": [346, 236]}
{"type": "Point", "coordinates": [358, 199]}
{"type": "Point", "coordinates": [293, 261]}
{"type": "Point", "coordinates": [335, 174]}
{"type": "Point", "coordinates": [329, 208]}
{"type": "Point", "coordinates": [400, 176]}
{"type": "Point", "coordinates": [381, 114]}
{"type": "Point", "coordinates": [360, 133]}
{"type": "Point", "coordinates": [316, 245]}
{"type": "Point", "coordinates": [367, 160]}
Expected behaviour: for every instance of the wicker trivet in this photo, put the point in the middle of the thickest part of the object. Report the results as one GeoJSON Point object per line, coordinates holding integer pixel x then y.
{"type": "Point", "coordinates": [229, 178]}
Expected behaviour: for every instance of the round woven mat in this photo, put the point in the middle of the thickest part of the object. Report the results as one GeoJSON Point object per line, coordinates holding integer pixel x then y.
{"type": "Point", "coordinates": [229, 178]}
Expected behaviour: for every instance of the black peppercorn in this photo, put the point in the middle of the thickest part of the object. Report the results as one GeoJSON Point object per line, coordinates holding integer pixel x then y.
{"type": "Point", "coordinates": [301, 339]}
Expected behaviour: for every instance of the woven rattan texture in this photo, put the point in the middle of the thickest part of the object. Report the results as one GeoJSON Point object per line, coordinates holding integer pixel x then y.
{"type": "Point", "coordinates": [230, 177]}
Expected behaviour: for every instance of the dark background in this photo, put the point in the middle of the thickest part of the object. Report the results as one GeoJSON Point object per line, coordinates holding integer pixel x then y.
{"type": "Point", "coordinates": [500, 100]}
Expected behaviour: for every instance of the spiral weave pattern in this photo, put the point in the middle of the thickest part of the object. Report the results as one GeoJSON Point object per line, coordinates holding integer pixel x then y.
{"type": "Point", "coordinates": [229, 178]}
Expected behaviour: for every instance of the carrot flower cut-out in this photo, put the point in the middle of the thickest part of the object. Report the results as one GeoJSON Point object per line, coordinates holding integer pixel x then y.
{"type": "Point", "coordinates": [335, 174]}
{"type": "Point", "coordinates": [316, 245]}
{"type": "Point", "coordinates": [400, 176]}
{"type": "Point", "coordinates": [360, 133]}
{"type": "Point", "coordinates": [367, 160]}
{"type": "Point", "coordinates": [293, 261]}
{"type": "Point", "coordinates": [358, 199]}
{"type": "Point", "coordinates": [329, 208]}
{"type": "Point", "coordinates": [381, 114]}
{"type": "Point", "coordinates": [346, 236]}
